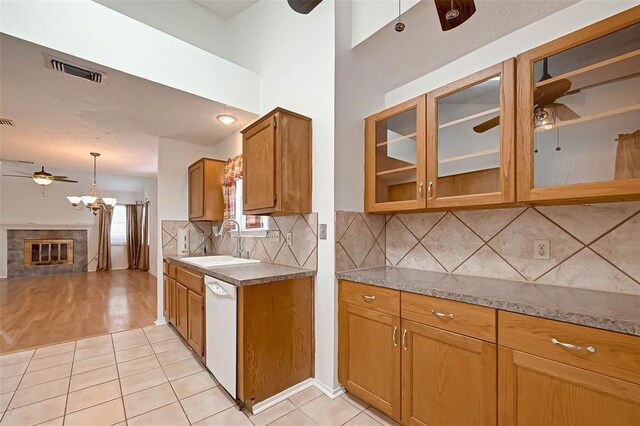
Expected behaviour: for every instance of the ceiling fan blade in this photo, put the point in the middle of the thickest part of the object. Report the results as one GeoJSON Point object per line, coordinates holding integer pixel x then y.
{"type": "Point", "coordinates": [20, 176]}
{"type": "Point", "coordinates": [549, 93]}
{"type": "Point", "coordinates": [22, 173]}
{"type": "Point", "coordinates": [602, 83]}
{"type": "Point", "coordinates": [449, 19]}
{"type": "Point", "coordinates": [63, 179]}
{"type": "Point", "coordinates": [6, 160]}
{"type": "Point", "coordinates": [487, 125]}
{"type": "Point", "coordinates": [303, 6]}
{"type": "Point", "coordinates": [565, 113]}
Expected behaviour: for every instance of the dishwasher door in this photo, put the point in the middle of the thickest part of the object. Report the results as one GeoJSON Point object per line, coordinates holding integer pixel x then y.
{"type": "Point", "coordinates": [221, 322]}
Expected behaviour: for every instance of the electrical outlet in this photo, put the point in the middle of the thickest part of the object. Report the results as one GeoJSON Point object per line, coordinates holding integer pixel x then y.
{"type": "Point", "coordinates": [322, 231]}
{"type": "Point", "coordinates": [289, 238]}
{"type": "Point", "coordinates": [541, 249]}
{"type": "Point", "coordinates": [274, 236]}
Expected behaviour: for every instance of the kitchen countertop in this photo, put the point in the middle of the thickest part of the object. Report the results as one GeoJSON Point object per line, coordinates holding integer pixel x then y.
{"type": "Point", "coordinates": [246, 274]}
{"type": "Point", "coordinates": [607, 311]}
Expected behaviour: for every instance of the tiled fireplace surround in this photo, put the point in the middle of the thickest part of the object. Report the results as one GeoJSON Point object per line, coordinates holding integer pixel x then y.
{"type": "Point", "coordinates": [591, 246]}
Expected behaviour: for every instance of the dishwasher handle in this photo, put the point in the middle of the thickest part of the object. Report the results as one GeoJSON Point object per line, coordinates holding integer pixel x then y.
{"type": "Point", "coordinates": [216, 289]}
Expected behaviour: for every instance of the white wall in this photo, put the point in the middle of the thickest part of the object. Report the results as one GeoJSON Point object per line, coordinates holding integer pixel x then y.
{"type": "Point", "coordinates": [367, 17]}
{"type": "Point", "coordinates": [98, 34]}
{"type": "Point", "coordinates": [295, 57]}
{"type": "Point", "coordinates": [174, 158]}
{"type": "Point", "coordinates": [22, 204]}
{"type": "Point", "coordinates": [553, 26]}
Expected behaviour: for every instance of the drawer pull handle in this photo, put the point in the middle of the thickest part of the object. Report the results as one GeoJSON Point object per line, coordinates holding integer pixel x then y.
{"type": "Point", "coordinates": [441, 315]}
{"type": "Point", "coordinates": [368, 298]}
{"type": "Point", "coordinates": [395, 340]}
{"type": "Point", "coordinates": [589, 348]}
{"type": "Point", "coordinates": [404, 339]}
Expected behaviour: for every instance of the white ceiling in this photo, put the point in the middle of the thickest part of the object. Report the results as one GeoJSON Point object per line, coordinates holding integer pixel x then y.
{"type": "Point", "coordinates": [226, 8]}
{"type": "Point", "coordinates": [59, 118]}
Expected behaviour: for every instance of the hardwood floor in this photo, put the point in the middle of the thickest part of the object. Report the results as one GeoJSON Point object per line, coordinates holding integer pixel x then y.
{"type": "Point", "coordinates": [36, 311]}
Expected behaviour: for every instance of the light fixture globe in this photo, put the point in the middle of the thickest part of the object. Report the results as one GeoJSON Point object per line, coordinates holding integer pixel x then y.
{"type": "Point", "coordinates": [42, 178]}
{"type": "Point", "coordinates": [92, 199]}
{"type": "Point", "coordinates": [226, 119]}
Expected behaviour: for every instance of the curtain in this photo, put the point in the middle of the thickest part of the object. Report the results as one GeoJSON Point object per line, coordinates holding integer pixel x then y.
{"type": "Point", "coordinates": [104, 240]}
{"type": "Point", "coordinates": [233, 172]}
{"type": "Point", "coordinates": [144, 238]}
{"type": "Point", "coordinates": [133, 236]}
{"type": "Point", "coordinates": [628, 156]}
{"type": "Point", "coordinates": [138, 236]}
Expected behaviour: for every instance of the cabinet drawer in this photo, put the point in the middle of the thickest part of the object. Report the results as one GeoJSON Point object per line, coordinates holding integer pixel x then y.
{"type": "Point", "coordinates": [601, 351]}
{"type": "Point", "coordinates": [172, 271]}
{"type": "Point", "coordinates": [192, 281]}
{"type": "Point", "coordinates": [368, 296]}
{"type": "Point", "coordinates": [463, 318]}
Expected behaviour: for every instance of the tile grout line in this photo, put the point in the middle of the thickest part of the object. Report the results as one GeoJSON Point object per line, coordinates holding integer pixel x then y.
{"type": "Point", "coordinates": [66, 397]}
{"type": "Point", "coordinates": [18, 386]}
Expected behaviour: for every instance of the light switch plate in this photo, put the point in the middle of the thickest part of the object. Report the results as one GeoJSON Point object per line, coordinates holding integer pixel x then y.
{"type": "Point", "coordinates": [274, 236]}
{"type": "Point", "coordinates": [322, 231]}
{"type": "Point", "coordinates": [289, 238]}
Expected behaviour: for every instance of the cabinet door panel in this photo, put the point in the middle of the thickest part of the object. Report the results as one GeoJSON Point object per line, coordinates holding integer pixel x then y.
{"type": "Point", "coordinates": [470, 146]}
{"type": "Point", "coordinates": [448, 379]}
{"type": "Point", "coordinates": [395, 165]}
{"type": "Point", "coordinates": [369, 357]}
{"type": "Point", "coordinates": [535, 391]}
{"type": "Point", "coordinates": [259, 156]}
{"type": "Point", "coordinates": [196, 190]}
{"type": "Point", "coordinates": [173, 302]}
{"type": "Point", "coordinates": [195, 327]}
{"type": "Point", "coordinates": [182, 316]}
{"type": "Point", "coordinates": [165, 296]}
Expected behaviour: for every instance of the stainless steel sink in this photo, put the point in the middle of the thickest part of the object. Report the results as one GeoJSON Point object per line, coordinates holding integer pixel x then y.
{"type": "Point", "coordinates": [211, 261]}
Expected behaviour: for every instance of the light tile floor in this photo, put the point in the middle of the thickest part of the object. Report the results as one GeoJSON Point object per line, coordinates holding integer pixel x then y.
{"type": "Point", "coordinates": [145, 377]}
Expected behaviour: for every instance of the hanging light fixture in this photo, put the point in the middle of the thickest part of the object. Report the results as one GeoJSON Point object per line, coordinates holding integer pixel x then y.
{"type": "Point", "coordinates": [93, 199]}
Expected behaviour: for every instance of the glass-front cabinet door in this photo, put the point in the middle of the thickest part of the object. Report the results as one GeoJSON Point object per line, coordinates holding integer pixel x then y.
{"type": "Point", "coordinates": [579, 114]}
{"type": "Point", "coordinates": [395, 166]}
{"type": "Point", "coordinates": [471, 139]}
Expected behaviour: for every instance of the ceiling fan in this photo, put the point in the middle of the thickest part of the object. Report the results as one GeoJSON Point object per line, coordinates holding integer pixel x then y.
{"type": "Point", "coordinates": [450, 12]}
{"type": "Point", "coordinates": [545, 105]}
{"type": "Point", "coordinates": [41, 177]}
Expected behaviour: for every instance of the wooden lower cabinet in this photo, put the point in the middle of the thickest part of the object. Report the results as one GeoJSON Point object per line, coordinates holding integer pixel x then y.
{"type": "Point", "coordinates": [195, 322]}
{"type": "Point", "coordinates": [537, 391]}
{"type": "Point", "coordinates": [369, 357]}
{"type": "Point", "coordinates": [165, 301]}
{"type": "Point", "coordinates": [181, 309]}
{"type": "Point", "coordinates": [173, 317]}
{"type": "Point", "coordinates": [447, 378]}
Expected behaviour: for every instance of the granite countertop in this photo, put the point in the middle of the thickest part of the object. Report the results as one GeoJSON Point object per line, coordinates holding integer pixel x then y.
{"type": "Point", "coordinates": [246, 274]}
{"type": "Point", "coordinates": [607, 311]}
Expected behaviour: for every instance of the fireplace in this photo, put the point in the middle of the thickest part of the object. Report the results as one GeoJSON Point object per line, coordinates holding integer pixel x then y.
{"type": "Point", "coordinates": [48, 252]}
{"type": "Point", "coordinates": [43, 252]}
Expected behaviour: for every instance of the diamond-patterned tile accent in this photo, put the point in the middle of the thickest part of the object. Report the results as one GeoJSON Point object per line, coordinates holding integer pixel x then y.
{"type": "Point", "coordinates": [588, 270]}
{"type": "Point", "coordinates": [357, 240]}
{"type": "Point", "coordinates": [622, 247]}
{"type": "Point", "coordinates": [304, 241]}
{"type": "Point", "coordinates": [420, 223]}
{"type": "Point", "coordinates": [486, 263]}
{"type": "Point", "coordinates": [487, 223]}
{"type": "Point", "coordinates": [399, 240]}
{"type": "Point", "coordinates": [515, 244]}
{"type": "Point", "coordinates": [451, 242]}
{"type": "Point", "coordinates": [420, 258]}
{"type": "Point", "coordinates": [588, 222]}
{"type": "Point", "coordinates": [343, 261]}
{"type": "Point", "coordinates": [343, 220]}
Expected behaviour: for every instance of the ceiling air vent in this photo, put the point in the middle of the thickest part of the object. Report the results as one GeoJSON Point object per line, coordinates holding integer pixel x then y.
{"type": "Point", "coordinates": [70, 69]}
{"type": "Point", "coordinates": [6, 122]}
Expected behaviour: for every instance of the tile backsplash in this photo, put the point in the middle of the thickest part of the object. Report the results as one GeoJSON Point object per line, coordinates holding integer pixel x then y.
{"type": "Point", "coordinates": [595, 246]}
{"type": "Point", "coordinates": [303, 251]}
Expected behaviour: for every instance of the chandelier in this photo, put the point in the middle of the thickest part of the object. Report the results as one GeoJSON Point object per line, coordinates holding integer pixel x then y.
{"type": "Point", "coordinates": [93, 199]}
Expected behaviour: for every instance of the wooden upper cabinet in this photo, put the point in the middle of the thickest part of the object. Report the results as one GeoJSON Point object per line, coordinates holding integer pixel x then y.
{"type": "Point", "coordinates": [205, 190]}
{"type": "Point", "coordinates": [276, 153]}
{"type": "Point", "coordinates": [447, 378]}
{"type": "Point", "coordinates": [471, 140]}
{"type": "Point", "coordinates": [395, 159]}
{"type": "Point", "coordinates": [579, 114]}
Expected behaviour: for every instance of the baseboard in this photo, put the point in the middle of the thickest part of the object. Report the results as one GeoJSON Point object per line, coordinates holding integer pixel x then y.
{"type": "Point", "coordinates": [278, 398]}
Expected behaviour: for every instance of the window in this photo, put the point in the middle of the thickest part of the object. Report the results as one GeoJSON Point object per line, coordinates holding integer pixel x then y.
{"type": "Point", "coordinates": [259, 229]}
{"type": "Point", "coordinates": [119, 226]}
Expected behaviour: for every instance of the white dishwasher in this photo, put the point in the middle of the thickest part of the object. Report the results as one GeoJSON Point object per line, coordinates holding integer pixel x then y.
{"type": "Point", "coordinates": [221, 322]}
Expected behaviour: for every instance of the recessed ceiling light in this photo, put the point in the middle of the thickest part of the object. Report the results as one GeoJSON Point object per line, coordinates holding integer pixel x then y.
{"type": "Point", "coordinates": [226, 119]}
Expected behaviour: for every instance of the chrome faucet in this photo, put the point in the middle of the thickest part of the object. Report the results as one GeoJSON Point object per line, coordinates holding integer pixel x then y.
{"type": "Point", "coordinates": [240, 253]}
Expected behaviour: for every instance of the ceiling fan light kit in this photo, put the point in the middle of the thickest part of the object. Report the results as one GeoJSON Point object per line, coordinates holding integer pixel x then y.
{"type": "Point", "coordinates": [93, 199]}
